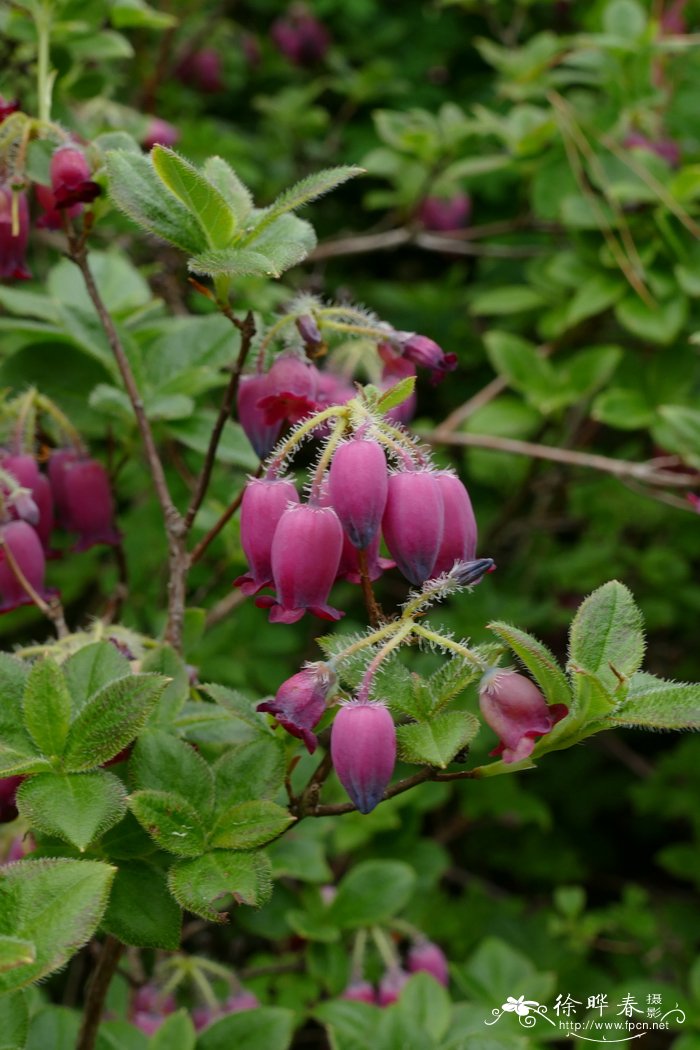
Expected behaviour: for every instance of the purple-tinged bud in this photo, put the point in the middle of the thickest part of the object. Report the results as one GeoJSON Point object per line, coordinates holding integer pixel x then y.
{"type": "Point", "coordinates": [25, 547]}
{"type": "Point", "coordinates": [358, 484]}
{"type": "Point", "coordinates": [60, 462]}
{"type": "Point", "coordinates": [51, 218]}
{"type": "Point", "coordinates": [517, 711]}
{"type": "Point", "coordinates": [427, 957]}
{"type": "Point", "coordinates": [426, 353]}
{"type": "Point", "coordinates": [25, 469]}
{"type": "Point", "coordinates": [664, 147]}
{"type": "Point", "coordinates": [70, 178]}
{"type": "Point", "coordinates": [292, 390]}
{"type": "Point", "coordinates": [467, 573]}
{"type": "Point", "coordinates": [445, 214]}
{"type": "Point", "coordinates": [300, 702]}
{"type": "Point", "coordinates": [14, 237]}
{"type": "Point", "coordinates": [391, 985]}
{"type": "Point", "coordinates": [150, 999]}
{"type": "Point", "coordinates": [305, 556]}
{"type": "Point", "coordinates": [202, 70]}
{"type": "Point", "coordinates": [363, 749]}
{"type": "Point", "coordinates": [459, 534]}
{"type": "Point", "coordinates": [300, 37]}
{"type": "Point", "coordinates": [8, 797]}
{"type": "Point", "coordinates": [264, 502]}
{"type": "Point", "coordinates": [90, 508]}
{"type": "Point", "coordinates": [309, 332]}
{"type": "Point", "coordinates": [8, 107]}
{"type": "Point", "coordinates": [261, 434]}
{"type": "Point", "coordinates": [360, 992]}
{"type": "Point", "coordinates": [159, 132]}
{"type": "Point", "coordinates": [413, 523]}
{"type": "Point", "coordinates": [239, 1001]}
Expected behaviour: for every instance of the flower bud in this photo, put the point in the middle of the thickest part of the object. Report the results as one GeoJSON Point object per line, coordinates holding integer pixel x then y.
{"type": "Point", "coordinates": [90, 508]}
{"type": "Point", "coordinates": [467, 573]}
{"type": "Point", "coordinates": [395, 369]}
{"type": "Point", "coordinates": [26, 470]}
{"type": "Point", "coordinates": [25, 547]}
{"type": "Point", "coordinates": [445, 214]}
{"type": "Point", "coordinates": [360, 992]}
{"type": "Point", "coordinates": [305, 556]}
{"type": "Point", "coordinates": [51, 218]}
{"type": "Point", "coordinates": [301, 701]}
{"type": "Point", "coordinates": [8, 107]}
{"type": "Point", "coordinates": [202, 70]}
{"type": "Point", "coordinates": [309, 332]}
{"type": "Point", "coordinates": [60, 461]}
{"type": "Point", "coordinates": [427, 957]}
{"type": "Point", "coordinates": [300, 37]}
{"type": "Point", "coordinates": [159, 132]}
{"type": "Point", "coordinates": [413, 522]}
{"type": "Point", "coordinates": [70, 178]}
{"type": "Point", "coordinates": [426, 353]}
{"type": "Point", "coordinates": [261, 434]}
{"type": "Point", "coordinates": [517, 711]}
{"type": "Point", "coordinates": [8, 798]}
{"type": "Point", "coordinates": [391, 985]}
{"type": "Point", "coordinates": [264, 502]}
{"type": "Point", "coordinates": [363, 749]}
{"type": "Point", "coordinates": [358, 484]}
{"type": "Point", "coordinates": [14, 237]}
{"type": "Point", "coordinates": [459, 534]}
{"type": "Point", "coordinates": [292, 390]}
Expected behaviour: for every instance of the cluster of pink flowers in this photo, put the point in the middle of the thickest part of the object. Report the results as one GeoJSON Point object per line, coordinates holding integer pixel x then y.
{"type": "Point", "coordinates": [423, 957]}
{"type": "Point", "coordinates": [149, 1008]}
{"type": "Point", "coordinates": [73, 495]}
{"type": "Point", "coordinates": [300, 37]}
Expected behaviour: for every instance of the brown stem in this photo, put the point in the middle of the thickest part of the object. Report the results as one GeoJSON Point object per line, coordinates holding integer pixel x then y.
{"type": "Point", "coordinates": [178, 562]}
{"type": "Point", "coordinates": [97, 992]}
{"type": "Point", "coordinates": [247, 330]}
{"type": "Point", "coordinates": [308, 800]}
{"type": "Point", "coordinates": [649, 473]}
{"type": "Point", "coordinates": [52, 609]}
{"type": "Point", "coordinates": [376, 618]}
{"type": "Point", "coordinates": [427, 773]}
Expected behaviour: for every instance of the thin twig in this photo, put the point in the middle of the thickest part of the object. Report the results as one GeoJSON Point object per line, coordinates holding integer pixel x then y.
{"type": "Point", "coordinates": [224, 608]}
{"type": "Point", "coordinates": [97, 992]}
{"type": "Point", "coordinates": [247, 330]}
{"type": "Point", "coordinates": [374, 613]}
{"type": "Point", "coordinates": [427, 773]}
{"type": "Point", "coordinates": [214, 531]}
{"type": "Point", "coordinates": [52, 609]}
{"type": "Point", "coordinates": [622, 468]}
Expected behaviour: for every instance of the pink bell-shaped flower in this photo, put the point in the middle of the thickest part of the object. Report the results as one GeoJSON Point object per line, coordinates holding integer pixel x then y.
{"type": "Point", "coordinates": [292, 390]}
{"type": "Point", "coordinates": [264, 502]}
{"type": "Point", "coordinates": [25, 469]}
{"type": "Point", "coordinates": [391, 985]}
{"type": "Point", "coordinates": [517, 711]}
{"type": "Point", "coordinates": [14, 237]}
{"type": "Point", "coordinates": [349, 567]}
{"type": "Point", "coordinates": [70, 178]}
{"type": "Point", "coordinates": [8, 798]}
{"type": "Point", "coordinates": [25, 547]}
{"type": "Point", "coordinates": [300, 37]}
{"type": "Point", "coordinates": [445, 214]}
{"type": "Point", "coordinates": [363, 749]}
{"type": "Point", "coordinates": [261, 434]}
{"type": "Point", "coordinates": [89, 504]}
{"type": "Point", "coordinates": [60, 462]}
{"type": "Point", "coordinates": [305, 556]}
{"type": "Point", "coordinates": [159, 132]}
{"type": "Point", "coordinates": [413, 522]}
{"type": "Point", "coordinates": [358, 484]}
{"type": "Point", "coordinates": [202, 70]}
{"type": "Point", "coordinates": [301, 701]}
{"type": "Point", "coordinates": [51, 218]}
{"type": "Point", "coordinates": [459, 534]}
{"type": "Point", "coordinates": [360, 992]}
{"type": "Point", "coordinates": [427, 957]}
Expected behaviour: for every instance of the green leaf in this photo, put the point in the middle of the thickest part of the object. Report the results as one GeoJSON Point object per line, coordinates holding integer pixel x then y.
{"type": "Point", "coordinates": [683, 425]}
{"type": "Point", "coordinates": [286, 242]}
{"type": "Point", "coordinates": [162, 762]}
{"type": "Point", "coordinates": [268, 1027]}
{"type": "Point", "coordinates": [397, 394]}
{"type": "Point", "coordinates": [298, 856]}
{"type": "Point", "coordinates": [249, 825]}
{"type": "Point", "coordinates": [624, 18]}
{"type": "Point", "coordinates": [111, 719]}
{"type": "Point", "coordinates": [136, 190]}
{"type": "Point", "coordinates": [607, 632]}
{"type": "Point", "coordinates": [497, 970]}
{"type": "Point", "coordinates": [523, 368]}
{"type": "Point", "coordinates": [426, 1004]}
{"type": "Point", "coordinates": [372, 892]}
{"type": "Point", "coordinates": [252, 771]}
{"type": "Point", "coordinates": [171, 821]}
{"type": "Point", "coordinates": [136, 14]}
{"type": "Point", "coordinates": [596, 294]}
{"type": "Point", "coordinates": [91, 668]}
{"type": "Point", "coordinates": [14, 1020]}
{"type": "Point", "coordinates": [47, 707]}
{"type": "Point", "coordinates": [508, 299]}
{"type": "Point", "coordinates": [53, 1026]}
{"type": "Point", "coordinates": [56, 904]}
{"type": "Point", "coordinates": [232, 189]}
{"type": "Point", "coordinates": [538, 660]}
{"type": "Point", "coordinates": [654, 703]}
{"type": "Point", "coordinates": [349, 1025]}
{"type": "Point", "coordinates": [18, 753]}
{"type": "Point", "coordinates": [15, 952]}
{"type": "Point", "coordinates": [435, 743]}
{"type": "Point", "coordinates": [235, 261]}
{"type": "Point", "coordinates": [165, 661]}
{"type": "Point", "coordinates": [175, 1033]}
{"type": "Point", "coordinates": [302, 192]}
{"type": "Point", "coordinates": [77, 808]}
{"type": "Point", "coordinates": [141, 910]}
{"type": "Point", "coordinates": [199, 196]}
{"type": "Point", "coordinates": [198, 885]}
{"type": "Point", "coordinates": [238, 704]}
{"type": "Point", "coordinates": [660, 324]}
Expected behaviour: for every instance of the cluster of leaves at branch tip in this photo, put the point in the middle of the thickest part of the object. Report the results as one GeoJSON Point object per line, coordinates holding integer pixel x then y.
{"type": "Point", "coordinates": [210, 214]}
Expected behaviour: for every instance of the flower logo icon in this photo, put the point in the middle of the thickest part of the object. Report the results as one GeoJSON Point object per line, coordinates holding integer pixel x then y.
{"type": "Point", "coordinates": [521, 1006]}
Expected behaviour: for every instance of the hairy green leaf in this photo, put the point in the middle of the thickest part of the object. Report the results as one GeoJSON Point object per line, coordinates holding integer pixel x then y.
{"type": "Point", "coordinates": [170, 820]}
{"type": "Point", "coordinates": [607, 633]}
{"type": "Point", "coordinates": [538, 659]}
{"type": "Point", "coordinates": [76, 807]}
{"type": "Point", "coordinates": [232, 189]}
{"type": "Point", "coordinates": [372, 892]}
{"type": "Point", "coordinates": [270, 1027]}
{"type": "Point", "coordinates": [15, 952]}
{"type": "Point", "coordinates": [162, 762]}
{"type": "Point", "coordinates": [205, 884]}
{"type": "Point", "coordinates": [141, 910]}
{"type": "Point", "coordinates": [654, 703]}
{"type": "Point", "coordinates": [47, 707]}
{"type": "Point", "coordinates": [248, 825]}
{"type": "Point", "coordinates": [436, 742]}
{"type": "Point", "coordinates": [302, 192]}
{"type": "Point", "coordinates": [199, 196]}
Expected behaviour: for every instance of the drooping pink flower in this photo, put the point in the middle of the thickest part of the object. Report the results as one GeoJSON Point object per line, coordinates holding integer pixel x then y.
{"type": "Point", "coordinates": [8, 107]}
{"type": "Point", "coordinates": [241, 1000]}
{"type": "Point", "coordinates": [395, 369]}
{"type": "Point", "coordinates": [202, 1016]}
{"type": "Point", "coordinates": [300, 37]}
{"type": "Point", "coordinates": [349, 567]}
{"type": "Point", "coordinates": [391, 985]}
{"type": "Point", "coordinates": [26, 470]}
{"type": "Point", "coordinates": [159, 132]}
{"type": "Point", "coordinates": [413, 522]}
{"type": "Point", "coordinates": [426, 353]}
{"type": "Point", "coordinates": [51, 218]}
{"type": "Point", "coordinates": [517, 711]}
{"type": "Point", "coordinates": [306, 552]}
{"type": "Point", "coordinates": [261, 434]}
{"type": "Point", "coordinates": [459, 534]}
{"type": "Point", "coordinates": [663, 146]}
{"type": "Point", "coordinates": [202, 70]}
{"type": "Point", "coordinates": [360, 992]}
{"type": "Point", "coordinates": [358, 483]}
{"type": "Point", "coordinates": [445, 214]}
{"type": "Point", "coordinates": [292, 390]}
{"type": "Point", "coordinates": [89, 504]}
{"type": "Point", "coordinates": [25, 547]}
{"type": "Point", "coordinates": [14, 236]}
{"type": "Point", "coordinates": [363, 749]}
{"type": "Point", "coordinates": [301, 700]}
{"type": "Point", "coordinates": [149, 1008]}
{"type": "Point", "coordinates": [264, 502]}
{"type": "Point", "coordinates": [427, 957]}
{"type": "Point", "coordinates": [71, 181]}
{"type": "Point", "coordinates": [60, 461]}
{"type": "Point", "coordinates": [673, 19]}
{"type": "Point", "coordinates": [8, 798]}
